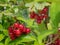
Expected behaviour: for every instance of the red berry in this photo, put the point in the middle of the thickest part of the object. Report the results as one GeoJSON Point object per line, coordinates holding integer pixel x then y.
{"type": "Point", "coordinates": [39, 17]}
{"type": "Point", "coordinates": [27, 31]}
{"type": "Point", "coordinates": [24, 30]}
{"type": "Point", "coordinates": [57, 41]}
{"type": "Point", "coordinates": [45, 9]}
{"type": "Point", "coordinates": [21, 26]}
{"type": "Point", "coordinates": [10, 29]}
{"type": "Point", "coordinates": [45, 16]}
{"type": "Point", "coordinates": [32, 15]}
{"type": "Point", "coordinates": [16, 25]}
{"type": "Point", "coordinates": [38, 21]}
{"type": "Point", "coordinates": [12, 36]}
{"type": "Point", "coordinates": [17, 33]}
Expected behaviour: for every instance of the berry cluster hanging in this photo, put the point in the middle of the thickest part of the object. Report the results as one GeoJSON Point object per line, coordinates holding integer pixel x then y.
{"type": "Point", "coordinates": [38, 11]}
{"type": "Point", "coordinates": [17, 30]}
{"type": "Point", "coordinates": [41, 15]}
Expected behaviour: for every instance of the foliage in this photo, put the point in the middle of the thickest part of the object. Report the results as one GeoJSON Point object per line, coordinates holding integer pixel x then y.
{"type": "Point", "coordinates": [17, 8]}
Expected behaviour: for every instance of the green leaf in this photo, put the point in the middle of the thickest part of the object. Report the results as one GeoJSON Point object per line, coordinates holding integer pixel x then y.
{"type": "Point", "coordinates": [1, 37]}
{"type": "Point", "coordinates": [36, 43]}
{"type": "Point", "coordinates": [1, 27]}
{"type": "Point", "coordinates": [49, 26]}
{"type": "Point", "coordinates": [29, 22]}
{"type": "Point", "coordinates": [27, 39]}
{"type": "Point", "coordinates": [1, 43]}
{"type": "Point", "coordinates": [12, 44]}
{"type": "Point", "coordinates": [54, 13]}
{"type": "Point", "coordinates": [5, 32]}
{"type": "Point", "coordinates": [7, 41]}
{"type": "Point", "coordinates": [40, 26]}
{"type": "Point", "coordinates": [56, 21]}
{"type": "Point", "coordinates": [45, 33]}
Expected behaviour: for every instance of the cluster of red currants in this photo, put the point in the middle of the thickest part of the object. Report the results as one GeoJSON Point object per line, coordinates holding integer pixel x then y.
{"type": "Point", "coordinates": [41, 15]}
{"type": "Point", "coordinates": [56, 42]}
{"type": "Point", "coordinates": [17, 30]}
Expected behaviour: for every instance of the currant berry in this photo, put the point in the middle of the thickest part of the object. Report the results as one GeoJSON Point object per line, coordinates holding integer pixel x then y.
{"type": "Point", "coordinates": [24, 30]}
{"type": "Point", "coordinates": [57, 41]}
{"type": "Point", "coordinates": [41, 17]}
{"type": "Point", "coordinates": [27, 31]}
{"type": "Point", "coordinates": [15, 25]}
{"type": "Point", "coordinates": [10, 29]}
{"type": "Point", "coordinates": [32, 15]}
{"type": "Point", "coordinates": [12, 36]}
{"type": "Point", "coordinates": [38, 21]}
{"type": "Point", "coordinates": [21, 26]}
{"type": "Point", "coordinates": [46, 16]}
{"type": "Point", "coordinates": [45, 9]}
{"type": "Point", "coordinates": [17, 33]}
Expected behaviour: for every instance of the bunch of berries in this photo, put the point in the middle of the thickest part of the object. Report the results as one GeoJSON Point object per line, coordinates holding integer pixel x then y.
{"type": "Point", "coordinates": [42, 14]}
{"type": "Point", "coordinates": [17, 30]}
{"type": "Point", "coordinates": [56, 42]}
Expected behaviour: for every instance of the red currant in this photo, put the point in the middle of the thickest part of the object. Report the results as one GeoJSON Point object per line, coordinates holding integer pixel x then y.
{"type": "Point", "coordinates": [45, 16]}
{"type": "Point", "coordinates": [24, 30]}
{"type": "Point", "coordinates": [17, 33]}
{"type": "Point", "coordinates": [16, 25]}
{"type": "Point", "coordinates": [10, 29]}
{"type": "Point", "coordinates": [27, 31]}
{"type": "Point", "coordinates": [45, 9]}
{"type": "Point", "coordinates": [21, 26]}
{"type": "Point", "coordinates": [38, 21]}
{"type": "Point", "coordinates": [12, 36]}
{"type": "Point", "coordinates": [32, 15]}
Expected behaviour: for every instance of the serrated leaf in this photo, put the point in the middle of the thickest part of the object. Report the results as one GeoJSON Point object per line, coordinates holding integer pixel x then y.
{"type": "Point", "coordinates": [1, 37]}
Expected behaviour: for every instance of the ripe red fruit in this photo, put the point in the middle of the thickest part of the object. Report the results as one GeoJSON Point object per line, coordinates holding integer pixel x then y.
{"type": "Point", "coordinates": [57, 41]}
{"type": "Point", "coordinates": [10, 29]}
{"type": "Point", "coordinates": [44, 11]}
{"type": "Point", "coordinates": [15, 25]}
{"type": "Point", "coordinates": [27, 31]}
{"type": "Point", "coordinates": [32, 15]}
{"type": "Point", "coordinates": [38, 21]}
{"type": "Point", "coordinates": [17, 33]}
{"type": "Point", "coordinates": [45, 16]}
{"type": "Point", "coordinates": [24, 30]}
{"type": "Point", "coordinates": [12, 36]}
{"type": "Point", "coordinates": [21, 26]}
{"type": "Point", "coordinates": [39, 17]}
